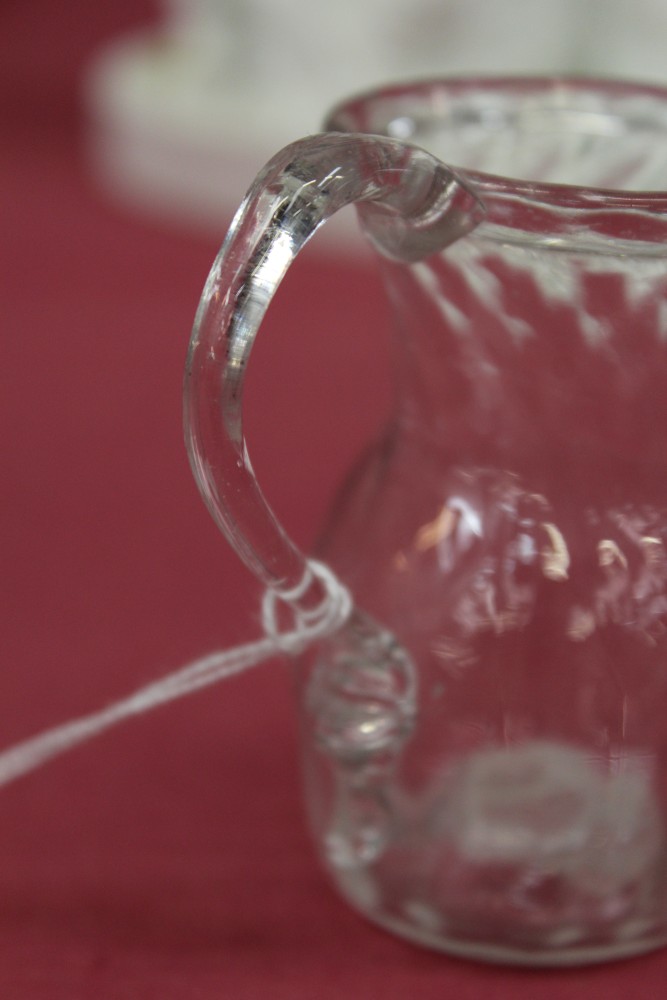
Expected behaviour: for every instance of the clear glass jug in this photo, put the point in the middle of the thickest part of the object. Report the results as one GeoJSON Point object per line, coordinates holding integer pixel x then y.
{"type": "Point", "coordinates": [485, 742]}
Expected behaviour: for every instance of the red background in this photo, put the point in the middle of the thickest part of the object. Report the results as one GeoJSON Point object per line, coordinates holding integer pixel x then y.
{"type": "Point", "coordinates": [168, 859]}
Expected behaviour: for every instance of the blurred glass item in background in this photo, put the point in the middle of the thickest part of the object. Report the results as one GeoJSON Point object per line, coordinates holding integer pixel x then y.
{"type": "Point", "coordinates": [185, 112]}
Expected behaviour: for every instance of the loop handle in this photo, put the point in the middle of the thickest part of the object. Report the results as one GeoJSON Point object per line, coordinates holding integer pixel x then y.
{"type": "Point", "coordinates": [411, 205]}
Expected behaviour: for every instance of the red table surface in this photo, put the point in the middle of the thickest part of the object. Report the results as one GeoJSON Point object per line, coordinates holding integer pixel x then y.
{"type": "Point", "coordinates": [168, 859]}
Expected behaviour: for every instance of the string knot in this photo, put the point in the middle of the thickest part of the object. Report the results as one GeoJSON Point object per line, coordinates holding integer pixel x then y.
{"type": "Point", "coordinates": [314, 623]}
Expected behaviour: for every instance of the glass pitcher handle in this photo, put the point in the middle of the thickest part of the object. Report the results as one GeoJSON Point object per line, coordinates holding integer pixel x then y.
{"type": "Point", "coordinates": [412, 206]}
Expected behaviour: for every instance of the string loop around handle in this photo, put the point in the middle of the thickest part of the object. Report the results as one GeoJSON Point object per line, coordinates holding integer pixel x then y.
{"type": "Point", "coordinates": [313, 623]}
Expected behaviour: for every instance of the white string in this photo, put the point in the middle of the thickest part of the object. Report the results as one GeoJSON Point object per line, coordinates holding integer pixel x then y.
{"type": "Point", "coordinates": [321, 621]}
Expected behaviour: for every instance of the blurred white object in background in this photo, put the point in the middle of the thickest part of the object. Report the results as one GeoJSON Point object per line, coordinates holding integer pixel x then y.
{"type": "Point", "coordinates": [184, 115]}
{"type": "Point", "coordinates": [628, 39]}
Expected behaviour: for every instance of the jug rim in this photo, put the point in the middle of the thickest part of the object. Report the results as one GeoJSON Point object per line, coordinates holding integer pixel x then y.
{"type": "Point", "coordinates": [436, 94]}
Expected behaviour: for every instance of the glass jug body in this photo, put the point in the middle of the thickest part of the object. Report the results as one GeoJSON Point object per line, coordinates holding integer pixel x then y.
{"type": "Point", "coordinates": [485, 746]}
{"type": "Point", "coordinates": [511, 530]}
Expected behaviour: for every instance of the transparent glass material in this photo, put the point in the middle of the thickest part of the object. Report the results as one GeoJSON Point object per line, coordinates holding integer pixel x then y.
{"type": "Point", "coordinates": [485, 743]}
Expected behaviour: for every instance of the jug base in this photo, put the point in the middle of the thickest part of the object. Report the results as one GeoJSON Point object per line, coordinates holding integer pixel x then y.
{"type": "Point", "coordinates": [524, 855]}
{"type": "Point", "coordinates": [507, 954]}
